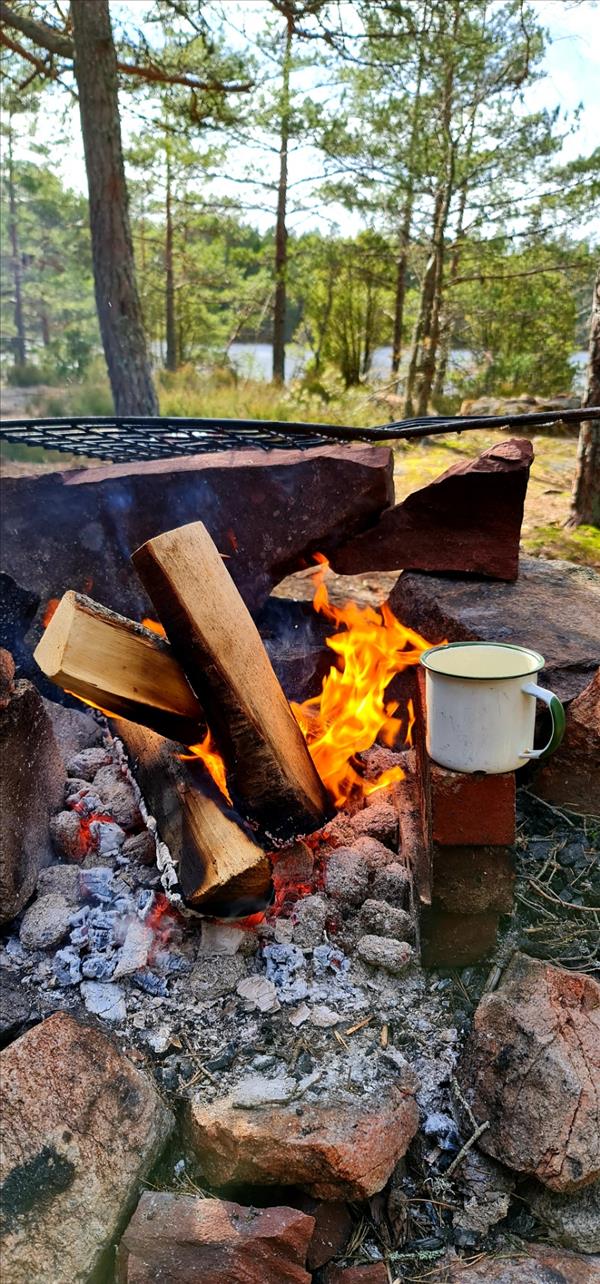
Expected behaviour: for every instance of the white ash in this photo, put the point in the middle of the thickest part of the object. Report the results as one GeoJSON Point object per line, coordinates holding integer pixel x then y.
{"type": "Point", "coordinates": [385, 952]}
{"type": "Point", "coordinates": [286, 1002]}
{"type": "Point", "coordinates": [106, 1001]}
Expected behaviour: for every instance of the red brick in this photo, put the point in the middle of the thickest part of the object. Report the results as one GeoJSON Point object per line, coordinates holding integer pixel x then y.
{"type": "Point", "coordinates": [456, 940]}
{"type": "Point", "coordinates": [473, 880]}
{"type": "Point", "coordinates": [472, 809]}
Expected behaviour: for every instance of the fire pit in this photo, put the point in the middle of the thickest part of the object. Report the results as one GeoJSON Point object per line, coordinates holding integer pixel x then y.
{"type": "Point", "coordinates": [303, 939]}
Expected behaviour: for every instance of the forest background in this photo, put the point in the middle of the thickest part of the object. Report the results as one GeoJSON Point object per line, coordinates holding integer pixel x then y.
{"type": "Point", "coordinates": [320, 210]}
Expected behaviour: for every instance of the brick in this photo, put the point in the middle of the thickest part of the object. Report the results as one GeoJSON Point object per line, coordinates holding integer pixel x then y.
{"type": "Point", "coordinates": [473, 880]}
{"type": "Point", "coordinates": [456, 940]}
{"type": "Point", "coordinates": [472, 809]}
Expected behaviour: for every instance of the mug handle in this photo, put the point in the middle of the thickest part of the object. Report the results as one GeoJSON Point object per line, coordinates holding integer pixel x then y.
{"type": "Point", "coordinates": [558, 720]}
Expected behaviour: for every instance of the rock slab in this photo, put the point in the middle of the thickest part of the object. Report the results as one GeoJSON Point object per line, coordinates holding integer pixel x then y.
{"type": "Point", "coordinates": [536, 1264]}
{"type": "Point", "coordinates": [266, 511]}
{"type": "Point", "coordinates": [553, 607]}
{"type": "Point", "coordinates": [468, 520]}
{"type": "Point", "coordinates": [81, 1129]}
{"type": "Point", "coordinates": [531, 1066]}
{"type": "Point", "coordinates": [345, 1149]}
{"type": "Point", "coordinates": [31, 787]}
{"type": "Point", "coordinates": [180, 1239]}
{"type": "Point", "coordinates": [571, 777]}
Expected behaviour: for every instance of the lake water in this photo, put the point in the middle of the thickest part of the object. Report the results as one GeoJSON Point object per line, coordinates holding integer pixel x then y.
{"type": "Point", "coordinates": [254, 360]}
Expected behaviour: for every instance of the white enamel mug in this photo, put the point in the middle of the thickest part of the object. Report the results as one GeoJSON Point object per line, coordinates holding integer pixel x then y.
{"type": "Point", "coordinates": [481, 706]}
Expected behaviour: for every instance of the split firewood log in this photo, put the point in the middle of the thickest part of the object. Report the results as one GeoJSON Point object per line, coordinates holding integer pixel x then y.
{"type": "Point", "coordinates": [221, 869]}
{"type": "Point", "coordinates": [270, 771]}
{"type": "Point", "coordinates": [119, 666]}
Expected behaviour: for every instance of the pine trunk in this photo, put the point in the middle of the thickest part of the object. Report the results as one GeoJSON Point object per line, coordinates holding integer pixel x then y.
{"type": "Point", "coordinates": [117, 299]}
{"type": "Point", "coordinates": [281, 235]}
{"type": "Point", "coordinates": [20, 343]}
{"type": "Point", "coordinates": [585, 503]}
{"type": "Point", "coordinates": [170, 321]}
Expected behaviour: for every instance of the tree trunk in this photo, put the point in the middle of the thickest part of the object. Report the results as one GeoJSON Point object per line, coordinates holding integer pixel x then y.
{"type": "Point", "coordinates": [405, 228]}
{"type": "Point", "coordinates": [117, 299]}
{"type": "Point", "coordinates": [20, 344]}
{"type": "Point", "coordinates": [170, 321]}
{"type": "Point", "coordinates": [421, 372]}
{"type": "Point", "coordinates": [585, 502]}
{"type": "Point", "coordinates": [281, 235]}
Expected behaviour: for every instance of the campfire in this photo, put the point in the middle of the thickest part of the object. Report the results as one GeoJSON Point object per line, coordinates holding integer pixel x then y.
{"type": "Point", "coordinates": [229, 769]}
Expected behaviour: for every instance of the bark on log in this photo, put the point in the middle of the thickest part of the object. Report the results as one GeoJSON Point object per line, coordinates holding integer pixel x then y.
{"type": "Point", "coordinates": [117, 298]}
{"type": "Point", "coordinates": [119, 666]}
{"type": "Point", "coordinates": [218, 645]}
{"type": "Point", "coordinates": [221, 869]}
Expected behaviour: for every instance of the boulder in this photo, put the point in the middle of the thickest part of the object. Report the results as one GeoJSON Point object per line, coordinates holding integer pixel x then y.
{"type": "Point", "coordinates": [531, 1067]}
{"type": "Point", "coordinates": [182, 1239]}
{"type": "Point", "coordinates": [570, 1220]}
{"type": "Point", "coordinates": [571, 777]}
{"type": "Point", "coordinates": [31, 788]}
{"type": "Point", "coordinates": [468, 520]}
{"type": "Point", "coordinates": [81, 1129]}
{"type": "Point", "coordinates": [525, 404]}
{"type": "Point", "coordinates": [266, 511]}
{"type": "Point", "coordinates": [344, 1149]}
{"type": "Point", "coordinates": [535, 1264]}
{"type": "Point", "coordinates": [553, 607]}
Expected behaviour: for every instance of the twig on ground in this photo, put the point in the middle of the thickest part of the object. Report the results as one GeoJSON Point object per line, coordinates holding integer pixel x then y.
{"type": "Point", "coordinates": [467, 1146]}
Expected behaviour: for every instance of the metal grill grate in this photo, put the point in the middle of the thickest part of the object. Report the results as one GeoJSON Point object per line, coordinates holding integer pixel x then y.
{"type": "Point", "coordinates": [132, 439]}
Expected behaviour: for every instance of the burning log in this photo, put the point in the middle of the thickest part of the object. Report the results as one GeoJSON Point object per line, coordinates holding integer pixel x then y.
{"type": "Point", "coordinates": [221, 868]}
{"type": "Point", "coordinates": [218, 644]}
{"type": "Point", "coordinates": [120, 667]}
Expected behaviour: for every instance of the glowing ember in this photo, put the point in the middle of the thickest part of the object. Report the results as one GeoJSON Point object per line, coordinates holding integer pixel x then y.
{"type": "Point", "coordinates": [162, 920]}
{"type": "Point", "coordinates": [154, 626]}
{"type": "Point", "coordinates": [351, 712]}
{"type": "Point", "coordinates": [90, 704]}
{"type": "Point", "coordinates": [49, 609]}
{"type": "Point", "coordinates": [207, 751]}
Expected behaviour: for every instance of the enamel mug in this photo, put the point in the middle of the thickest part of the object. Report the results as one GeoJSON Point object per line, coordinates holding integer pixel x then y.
{"type": "Point", "coordinates": [481, 706]}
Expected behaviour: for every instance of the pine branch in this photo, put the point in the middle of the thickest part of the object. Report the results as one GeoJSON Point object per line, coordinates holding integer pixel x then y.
{"type": "Point", "coordinates": [55, 42]}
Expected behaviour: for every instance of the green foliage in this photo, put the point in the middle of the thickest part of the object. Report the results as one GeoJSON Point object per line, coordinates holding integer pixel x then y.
{"type": "Point", "coordinates": [518, 316]}
{"type": "Point", "coordinates": [60, 323]}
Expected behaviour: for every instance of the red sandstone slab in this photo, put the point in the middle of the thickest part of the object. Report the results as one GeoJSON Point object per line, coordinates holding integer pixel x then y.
{"type": "Point", "coordinates": [472, 809]}
{"type": "Point", "coordinates": [467, 520]}
{"type": "Point", "coordinates": [182, 1239]}
{"type": "Point", "coordinates": [534, 1264]}
{"type": "Point", "coordinates": [554, 608]}
{"type": "Point", "coordinates": [343, 1149]}
{"type": "Point", "coordinates": [81, 1129]}
{"type": "Point", "coordinates": [266, 510]}
{"type": "Point", "coordinates": [531, 1066]}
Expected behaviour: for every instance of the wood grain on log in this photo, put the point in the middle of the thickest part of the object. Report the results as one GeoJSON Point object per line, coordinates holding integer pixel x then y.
{"type": "Point", "coordinates": [217, 643]}
{"type": "Point", "coordinates": [221, 868]}
{"type": "Point", "coordinates": [119, 666]}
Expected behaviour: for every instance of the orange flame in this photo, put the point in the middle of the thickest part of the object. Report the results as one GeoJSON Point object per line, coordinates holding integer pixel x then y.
{"type": "Point", "coordinates": [154, 626]}
{"type": "Point", "coordinates": [352, 711]}
{"type": "Point", "coordinates": [49, 609]}
{"type": "Point", "coordinates": [207, 751]}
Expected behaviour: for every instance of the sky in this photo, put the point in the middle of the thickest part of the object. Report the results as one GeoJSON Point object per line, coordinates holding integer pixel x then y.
{"type": "Point", "coordinates": [571, 82]}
